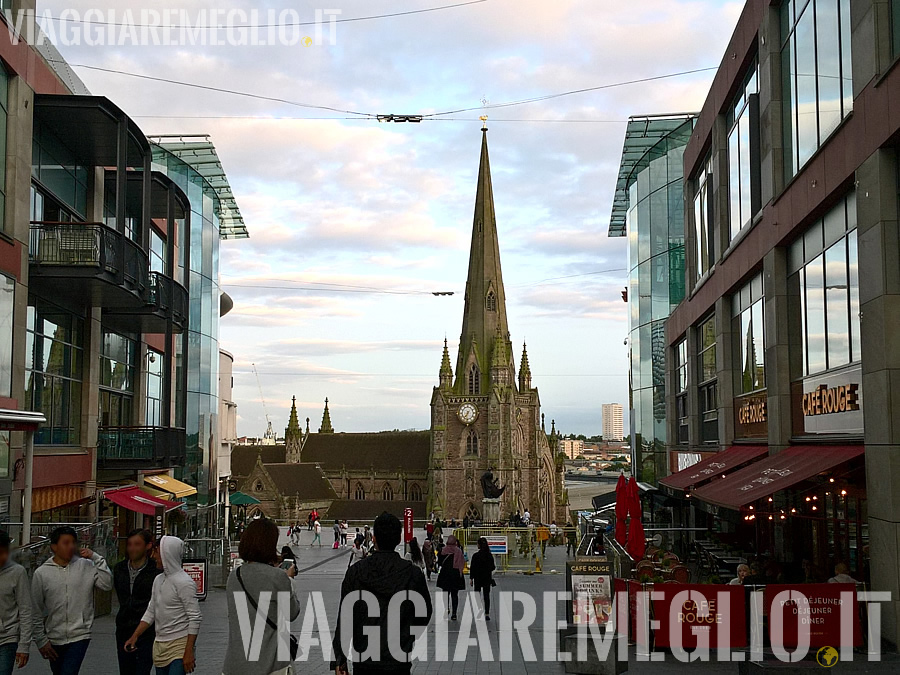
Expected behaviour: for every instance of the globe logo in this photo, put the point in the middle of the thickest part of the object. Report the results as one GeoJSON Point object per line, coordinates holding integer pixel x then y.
{"type": "Point", "coordinates": [827, 657]}
{"type": "Point", "coordinates": [307, 41]}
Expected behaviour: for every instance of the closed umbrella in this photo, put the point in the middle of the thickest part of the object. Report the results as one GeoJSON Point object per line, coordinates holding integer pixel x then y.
{"type": "Point", "coordinates": [636, 544]}
{"type": "Point", "coordinates": [621, 509]}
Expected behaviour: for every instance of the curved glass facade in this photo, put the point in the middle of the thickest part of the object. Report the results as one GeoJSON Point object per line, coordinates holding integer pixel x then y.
{"type": "Point", "coordinates": [655, 226]}
{"type": "Point", "coordinates": [202, 404]}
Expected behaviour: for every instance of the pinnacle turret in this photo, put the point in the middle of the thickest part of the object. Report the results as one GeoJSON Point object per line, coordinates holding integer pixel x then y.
{"type": "Point", "coordinates": [446, 372]}
{"type": "Point", "coordinates": [326, 427]}
{"type": "Point", "coordinates": [524, 371]}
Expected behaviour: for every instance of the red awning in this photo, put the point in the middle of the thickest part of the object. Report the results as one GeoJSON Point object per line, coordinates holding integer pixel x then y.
{"type": "Point", "coordinates": [778, 472]}
{"type": "Point", "coordinates": [135, 499]}
{"type": "Point", "coordinates": [706, 469]}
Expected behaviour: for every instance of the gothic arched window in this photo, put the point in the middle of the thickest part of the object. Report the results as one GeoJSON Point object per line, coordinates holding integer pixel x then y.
{"type": "Point", "coordinates": [415, 492]}
{"type": "Point", "coordinates": [259, 486]}
{"type": "Point", "coordinates": [360, 492]}
{"type": "Point", "coordinates": [472, 443]}
{"type": "Point", "coordinates": [490, 302]}
{"type": "Point", "coordinates": [472, 513]}
{"type": "Point", "coordinates": [387, 492]}
{"type": "Point", "coordinates": [474, 380]}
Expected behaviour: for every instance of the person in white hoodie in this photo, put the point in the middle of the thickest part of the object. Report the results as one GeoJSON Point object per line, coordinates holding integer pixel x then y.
{"type": "Point", "coordinates": [15, 611]}
{"type": "Point", "coordinates": [173, 611]}
{"type": "Point", "coordinates": [62, 592]}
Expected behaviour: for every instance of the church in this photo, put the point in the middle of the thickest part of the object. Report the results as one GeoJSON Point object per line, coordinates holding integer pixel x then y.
{"type": "Point", "coordinates": [482, 416]}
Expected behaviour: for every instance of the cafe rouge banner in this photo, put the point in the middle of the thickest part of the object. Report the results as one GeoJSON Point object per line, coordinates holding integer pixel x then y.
{"type": "Point", "coordinates": [590, 583]}
{"type": "Point", "coordinates": [830, 403]}
{"type": "Point", "coordinates": [714, 612]}
{"type": "Point", "coordinates": [817, 607]}
{"type": "Point", "coordinates": [751, 416]}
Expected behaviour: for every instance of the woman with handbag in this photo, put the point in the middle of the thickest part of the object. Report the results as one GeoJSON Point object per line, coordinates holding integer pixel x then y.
{"type": "Point", "coordinates": [259, 573]}
{"type": "Point", "coordinates": [450, 578]}
{"type": "Point", "coordinates": [481, 574]}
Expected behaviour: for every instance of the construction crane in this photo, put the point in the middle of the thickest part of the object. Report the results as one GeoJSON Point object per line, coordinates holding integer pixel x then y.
{"type": "Point", "coordinates": [270, 432]}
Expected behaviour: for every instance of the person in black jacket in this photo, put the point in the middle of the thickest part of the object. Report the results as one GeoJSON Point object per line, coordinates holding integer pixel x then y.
{"type": "Point", "coordinates": [481, 574]}
{"type": "Point", "coordinates": [133, 581]}
{"type": "Point", "coordinates": [383, 574]}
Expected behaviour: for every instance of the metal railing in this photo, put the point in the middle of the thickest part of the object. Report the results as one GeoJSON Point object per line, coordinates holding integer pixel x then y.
{"type": "Point", "coordinates": [140, 444]}
{"type": "Point", "coordinates": [67, 243]}
{"type": "Point", "coordinates": [99, 537]}
{"type": "Point", "coordinates": [169, 297]}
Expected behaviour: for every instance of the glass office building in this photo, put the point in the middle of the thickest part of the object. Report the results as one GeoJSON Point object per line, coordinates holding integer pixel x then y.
{"type": "Point", "coordinates": [191, 162]}
{"type": "Point", "coordinates": [648, 207]}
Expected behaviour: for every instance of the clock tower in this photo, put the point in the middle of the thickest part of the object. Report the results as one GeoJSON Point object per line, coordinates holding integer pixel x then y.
{"type": "Point", "coordinates": [482, 417]}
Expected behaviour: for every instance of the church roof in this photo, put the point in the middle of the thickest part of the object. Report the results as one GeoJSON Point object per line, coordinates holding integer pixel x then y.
{"type": "Point", "coordinates": [485, 308]}
{"type": "Point", "coordinates": [359, 510]}
{"type": "Point", "coordinates": [305, 479]}
{"type": "Point", "coordinates": [388, 451]}
{"type": "Point", "coordinates": [243, 457]}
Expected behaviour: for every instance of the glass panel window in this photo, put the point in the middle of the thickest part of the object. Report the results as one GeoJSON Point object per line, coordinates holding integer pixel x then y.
{"type": "Point", "coordinates": [4, 116]}
{"type": "Point", "coordinates": [741, 158]}
{"type": "Point", "coordinates": [828, 284]}
{"type": "Point", "coordinates": [117, 369]}
{"type": "Point", "coordinates": [817, 77]}
{"type": "Point", "coordinates": [707, 352]}
{"type": "Point", "coordinates": [749, 328]}
{"type": "Point", "coordinates": [707, 390]}
{"type": "Point", "coordinates": [7, 303]}
{"type": "Point", "coordinates": [53, 373]}
{"type": "Point", "coordinates": [703, 221]}
{"type": "Point", "coordinates": [157, 253]}
{"type": "Point", "coordinates": [155, 383]}
{"type": "Point", "coordinates": [681, 403]}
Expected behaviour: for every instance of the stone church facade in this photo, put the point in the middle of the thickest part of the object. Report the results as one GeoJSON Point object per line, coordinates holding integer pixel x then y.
{"type": "Point", "coordinates": [484, 415]}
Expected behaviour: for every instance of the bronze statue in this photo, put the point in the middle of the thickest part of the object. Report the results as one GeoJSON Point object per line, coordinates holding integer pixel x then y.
{"type": "Point", "coordinates": [490, 486]}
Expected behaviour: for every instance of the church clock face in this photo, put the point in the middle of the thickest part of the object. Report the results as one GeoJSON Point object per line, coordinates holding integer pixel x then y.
{"type": "Point", "coordinates": [467, 413]}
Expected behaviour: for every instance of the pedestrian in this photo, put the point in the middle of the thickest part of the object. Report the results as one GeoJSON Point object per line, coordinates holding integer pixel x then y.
{"type": "Point", "coordinates": [317, 533]}
{"type": "Point", "coordinates": [344, 529]}
{"type": "Point", "coordinates": [133, 580]}
{"type": "Point", "coordinates": [62, 592]}
{"type": "Point", "coordinates": [571, 540]}
{"type": "Point", "coordinates": [429, 530]}
{"type": "Point", "coordinates": [542, 534]}
{"type": "Point", "coordinates": [258, 575]}
{"type": "Point", "coordinates": [481, 574]}
{"type": "Point", "coordinates": [450, 578]}
{"type": "Point", "coordinates": [438, 545]}
{"type": "Point", "coordinates": [554, 533]}
{"type": "Point", "coordinates": [16, 617]}
{"type": "Point", "coordinates": [428, 557]}
{"type": "Point", "coordinates": [336, 528]}
{"type": "Point", "coordinates": [357, 552]}
{"type": "Point", "coordinates": [173, 611]}
{"type": "Point", "coordinates": [842, 575]}
{"type": "Point", "coordinates": [414, 554]}
{"type": "Point", "coordinates": [384, 574]}
{"type": "Point", "coordinates": [359, 538]}
{"type": "Point", "coordinates": [526, 518]}
{"type": "Point", "coordinates": [367, 535]}
{"type": "Point", "coordinates": [295, 534]}
{"type": "Point", "coordinates": [466, 522]}
{"type": "Point", "coordinates": [309, 521]}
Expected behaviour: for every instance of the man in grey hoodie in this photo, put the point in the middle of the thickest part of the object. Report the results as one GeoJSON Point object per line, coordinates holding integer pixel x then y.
{"type": "Point", "coordinates": [62, 591]}
{"type": "Point", "coordinates": [15, 611]}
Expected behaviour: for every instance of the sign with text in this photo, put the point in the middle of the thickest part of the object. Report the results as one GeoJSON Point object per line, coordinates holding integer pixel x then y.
{"type": "Point", "coordinates": [716, 614]}
{"type": "Point", "coordinates": [498, 543]}
{"type": "Point", "coordinates": [829, 404]}
{"type": "Point", "coordinates": [590, 583]}
{"type": "Point", "coordinates": [751, 416]}
{"type": "Point", "coordinates": [407, 525]}
{"type": "Point", "coordinates": [817, 607]}
{"type": "Point", "coordinates": [196, 570]}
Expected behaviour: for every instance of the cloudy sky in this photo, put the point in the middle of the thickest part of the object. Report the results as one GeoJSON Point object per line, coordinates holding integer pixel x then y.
{"type": "Point", "coordinates": [354, 224]}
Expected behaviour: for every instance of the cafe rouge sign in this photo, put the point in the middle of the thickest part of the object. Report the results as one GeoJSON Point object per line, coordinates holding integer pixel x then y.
{"type": "Point", "coordinates": [829, 404]}
{"type": "Point", "coordinates": [751, 416]}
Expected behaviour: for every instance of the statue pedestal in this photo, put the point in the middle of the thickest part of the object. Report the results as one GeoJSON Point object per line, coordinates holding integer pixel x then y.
{"type": "Point", "coordinates": [490, 511]}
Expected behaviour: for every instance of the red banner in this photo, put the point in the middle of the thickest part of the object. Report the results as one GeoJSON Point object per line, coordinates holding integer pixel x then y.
{"type": "Point", "coordinates": [407, 525]}
{"type": "Point", "coordinates": [689, 611]}
{"type": "Point", "coordinates": [816, 606]}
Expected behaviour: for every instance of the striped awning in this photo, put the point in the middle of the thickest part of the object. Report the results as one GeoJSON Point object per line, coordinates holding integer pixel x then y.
{"type": "Point", "coordinates": [57, 496]}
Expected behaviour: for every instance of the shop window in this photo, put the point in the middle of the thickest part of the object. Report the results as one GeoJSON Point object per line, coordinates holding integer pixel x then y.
{"type": "Point", "coordinates": [53, 368]}
{"type": "Point", "coordinates": [681, 402]}
{"type": "Point", "coordinates": [817, 83]}
{"type": "Point", "coordinates": [704, 237]}
{"type": "Point", "coordinates": [824, 268]}
{"type": "Point", "coordinates": [707, 388]}
{"type": "Point", "coordinates": [743, 154]}
{"type": "Point", "coordinates": [749, 329]}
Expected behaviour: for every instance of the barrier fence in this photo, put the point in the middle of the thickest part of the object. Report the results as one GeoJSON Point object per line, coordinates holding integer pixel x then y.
{"type": "Point", "coordinates": [99, 537]}
{"type": "Point", "coordinates": [515, 549]}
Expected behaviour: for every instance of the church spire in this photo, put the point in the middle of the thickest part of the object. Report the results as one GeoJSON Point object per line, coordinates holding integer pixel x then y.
{"type": "Point", "coordinates": [485, 301]}
{"type": "Point", "coordinates": [446, 373]}
{"type": "Point", "coordinates": [524, 371]}
{"type": "Point", "coordinates": [326, 427]}
{"type": "Point", "coordinates": [293, 435]}
{"type": "Point", "coordinates": [293, 427]}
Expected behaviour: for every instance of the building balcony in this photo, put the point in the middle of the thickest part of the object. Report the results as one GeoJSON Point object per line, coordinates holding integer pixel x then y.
{"type": "Point", "coordinates": [140, 447]}
{"type": "Point", "coordinates": [87, 263]}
